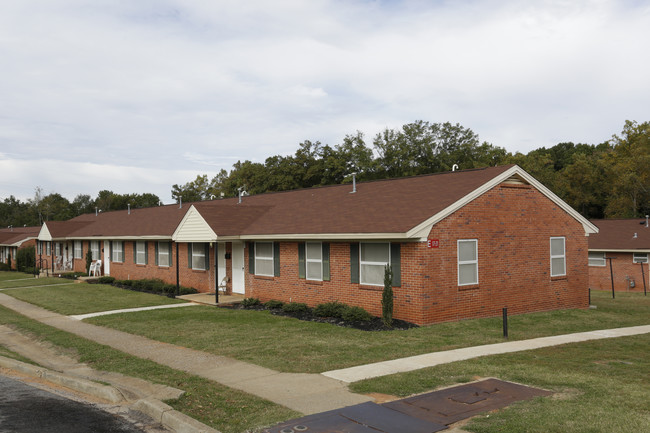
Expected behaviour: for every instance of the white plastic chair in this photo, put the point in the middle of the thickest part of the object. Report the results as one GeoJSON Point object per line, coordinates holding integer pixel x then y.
{"type": "Point", "coordinates": [222, 285]}
{"type": "Point", "coordinates": [95, 269]}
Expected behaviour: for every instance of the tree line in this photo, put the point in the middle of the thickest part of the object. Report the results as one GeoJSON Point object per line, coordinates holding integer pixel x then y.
{"type": "Point", "coordinates": [605, 180]}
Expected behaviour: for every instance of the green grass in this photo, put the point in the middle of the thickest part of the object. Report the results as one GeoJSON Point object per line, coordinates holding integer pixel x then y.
{"type": "Point", "coordinates": [5, 275]}
{"type": "Point", "coordinates": [600, 386]}
{"type": "Point", "coordinates": [19, 281]}
{"type": "Point", "coordinates": [82, 298]}
{"type": "Point", "coordinates": [261, 338]}
{"type": "Point", "coordinates": [225, 409]}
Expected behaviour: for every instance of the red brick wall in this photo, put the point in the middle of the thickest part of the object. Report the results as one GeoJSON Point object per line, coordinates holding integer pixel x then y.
{"type": "Point", "coordinates": [513, 226]}
{"type": "Point", "coordinates": [623, 267]}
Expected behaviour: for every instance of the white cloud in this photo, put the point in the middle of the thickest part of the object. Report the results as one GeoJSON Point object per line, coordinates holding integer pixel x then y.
{"type": "Point", "coordinates": [192, 86]}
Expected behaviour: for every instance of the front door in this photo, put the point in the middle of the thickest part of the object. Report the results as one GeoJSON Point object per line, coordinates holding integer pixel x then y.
{"type": "Point", "coordinates": [238, 285]}
{"type": "Point", "coordinates": [107, 258]}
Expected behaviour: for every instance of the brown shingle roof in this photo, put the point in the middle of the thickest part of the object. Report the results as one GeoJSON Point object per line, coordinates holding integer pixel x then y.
{"type": "Point", "coordinates": [17, 235]}
{"type": "Point", "coordinates": [618, 234]}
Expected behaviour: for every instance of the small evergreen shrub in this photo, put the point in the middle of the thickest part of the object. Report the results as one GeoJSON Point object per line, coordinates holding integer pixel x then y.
{"type": "Point", "coordinates": [74, 275]}
{"type": "Point", "coordinates": [89, 260]}
{"type": "Point", "coordinates": [356, 314]}
{"type": "Point", "coordinates": [273, 304]}
{"type": "Point", "coordinates": [250, 302]}
{"type": "Point", "coordinates": [26, 259]}
{"type": "Point", "coordinates": [387, 298]}
{"type": "Point", "coordinates": [295, 308]}
{"type": "Point", "coordinates": [330, 309]}
{"type": "Point", "coordinates": [187, 290]}
{"type": "Point", "coordinates": [125, 283]}
{"type": "Point", "coordinates": [4, 267]}
{"type": "Point", "coordinates": [106, 280]}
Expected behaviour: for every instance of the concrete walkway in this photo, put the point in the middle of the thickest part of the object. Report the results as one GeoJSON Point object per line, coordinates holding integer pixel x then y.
{"type": "Point", "coordinates": [305, 393]}
{"type": "Point", "coordinates": [130, 310]}
{"type": "Point", "coordinates": [417, 362]}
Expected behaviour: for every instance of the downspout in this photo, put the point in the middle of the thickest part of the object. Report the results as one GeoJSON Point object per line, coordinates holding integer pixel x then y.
{"type": "Point", "coordinates": [178, 278]}
{"type": "Point", "coordinates": [216, 273]}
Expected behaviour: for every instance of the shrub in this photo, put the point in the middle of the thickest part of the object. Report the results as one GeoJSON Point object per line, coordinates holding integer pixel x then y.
{"type": "Point", "coordinates": [387, 298]}
{"type": "Point", "coordinates": [330, 309]}
{"type": "Point", "coordinates": [89, 260]}
{"type": "Point", "coordinates": [295, 308]}
{"type": "Point", "coordinates": [4, 267]}
{"type": "Point", "coordinates": [26, 258]}
{"type": "Point", "coordinates": [273, 304]}
{"type": "Point", "coordinates": [125, 283]}
{"type": "Point", "coordinates": [73, 275]}
{"type": "Point", "coordinates": [187, 291]}
{"type": "Point", "coordinates": [356, 314]}
{"type": "Point", "coordinates": [250, 302]}
{"type": "Point", "coordinates": [106, 280]}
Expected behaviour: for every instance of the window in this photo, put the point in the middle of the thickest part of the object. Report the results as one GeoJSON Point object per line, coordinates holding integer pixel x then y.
{"type": "Point", "coordinates": [467, 262]}
{"type": "Point", "coordinates": [314, 260]}
{"type": "Point", "coordinates": [94, 249]}
{"type": "Point", "coordinates": [640, 258]}
{"type": "Point", "coordinates": [597, 259]}
{"type": "Point", "coordinates": [373, 259]}
{"type": "Point", "coordinates": [163, 254]}
{"type": "Point", "coordinates": [78, 253]}
{"type": "Point", "coordinates": [140, 253]}
{"type": "Point", "coordinates": [48, 248]}
{"type": "Point", "coordinates": [264, 259]}
{"type": "Point", "coordinates": [558, 258]}
{"type": "Point", "coordinates": [117, 253]}
{"type": "Point", "coordinates": [57, 249]}
{"type": "Point", "coordinates": [198, 257]}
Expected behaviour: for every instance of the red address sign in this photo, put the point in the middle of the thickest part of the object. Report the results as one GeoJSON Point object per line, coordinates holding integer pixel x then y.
{"type": "Point", "coordinates": [433, 243]}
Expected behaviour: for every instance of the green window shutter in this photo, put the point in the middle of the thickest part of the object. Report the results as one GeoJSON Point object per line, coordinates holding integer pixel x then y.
{"type": "Point", "coordinates": [110, 249]}
{"type": "Point", "coordinates": [135, 252]}
{"type": "Point", "coordinates": [326, 261]}
{"type": "Point", "coordinates": [302, 273]}
{"type": "Point", "coordinates": [156, 248]}
{"type": "Point", "coordinates": [396, 263]}
{"type": "Point", "coordinates": [251, 257]}
{"type": "Point", "coordinates": [276, 259]}
{"type": "Point", "coordinates": [146, 253]}
{"type": "Point", "coordinates": [354, 263]}
{"type": "Point", "coordinates": [189, 255]}
{"type": "Point", "coordinates": [171, 262]}
{"type": "Point", "coordinates": [207, 256]}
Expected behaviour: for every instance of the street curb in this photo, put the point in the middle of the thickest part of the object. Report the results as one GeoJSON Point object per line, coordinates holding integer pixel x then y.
{"type": "Point", "coordinates": [104, 392]}
{"type": "Point", "coordinates": [159, 411]}
{"type": "Point", "coordinates": [171, 418]}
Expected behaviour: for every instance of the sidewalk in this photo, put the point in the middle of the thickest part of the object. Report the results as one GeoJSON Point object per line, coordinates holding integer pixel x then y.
{"type": "Point", "coordinates": [305, 393]}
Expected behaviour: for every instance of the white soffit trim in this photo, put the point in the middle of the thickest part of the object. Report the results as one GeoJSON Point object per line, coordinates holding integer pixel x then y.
{"type": "Point", "coordinates": [610, 250]}
{"type": "Point", "coordinates": [330, 236]}
{"type": "Point", "coordinates": [44, 234]}
{"type": "Point", "coordinates": [193, 228]}
{"type": "Point", "coordinates": [423, 229]}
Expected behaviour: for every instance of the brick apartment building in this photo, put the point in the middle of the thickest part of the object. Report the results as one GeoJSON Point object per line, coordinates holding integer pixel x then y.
{"type": "Point", "coordinates": [14, 238]}
{"type": "Point", "coordinates": [461, 245]}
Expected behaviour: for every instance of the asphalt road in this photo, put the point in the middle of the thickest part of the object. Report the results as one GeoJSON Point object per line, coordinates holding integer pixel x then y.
{"type": "Point", "coordinates": [26, 409]}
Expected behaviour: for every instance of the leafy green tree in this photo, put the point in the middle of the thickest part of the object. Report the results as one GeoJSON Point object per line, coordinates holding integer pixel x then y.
{"type": "Point", "coordinates": [387, 297]}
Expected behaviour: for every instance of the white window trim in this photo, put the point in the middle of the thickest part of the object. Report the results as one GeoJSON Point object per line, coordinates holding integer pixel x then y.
{"type": "Point", "coordinates": [604, 259]}
{"type": "Point", "coordinates": [165, 253]}
{"type": "Point", "coordinates": [467, 262]}
{"type": "Point", "coordinates": [198, 252]}
{"type": "Point", "coordinates": [118, 252]}
{"type": "Point", "coordinates": [319, 260]}
{"type": "Point", "coordinates": [642, 260]}
{"type": "Point", "coordinates": [563, 255]}
{"type": "Point", "coordinates": [138, 252]}
{"type": "Point", "coordinates": [266, 259]}
{"type": "Point", "coordinates": [77, 252]}
{"type": "Point", "coordinates": [362, 263]}
{"type": "Point", "coordinates": [48, 248]}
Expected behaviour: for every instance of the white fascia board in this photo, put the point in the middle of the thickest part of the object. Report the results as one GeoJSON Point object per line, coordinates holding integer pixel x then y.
{"type": "Point", "coordinates": [44, 234]}
{"type": "Point", "coordinates": [118, 237]}
{"type": "Point", "coordinates": [202, 232]}
{"type": "Point", "coordinates": [423, 229]}
{"type": "Point", "coordinates": [328, 236]}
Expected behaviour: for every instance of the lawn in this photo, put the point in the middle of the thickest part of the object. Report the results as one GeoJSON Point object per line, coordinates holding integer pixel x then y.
{"type": "Point", "coordinates": [81, 298]}
{"type": "Point", "coordinates": [225, 409]}
{"type": "Point", "coordinates": [267, 340]}
{"type": "Point", "coordinates": [600, 386]}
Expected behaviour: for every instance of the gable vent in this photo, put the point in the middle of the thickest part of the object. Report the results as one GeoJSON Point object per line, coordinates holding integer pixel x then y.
{"type": "Point", "coordinates": [515, 180]}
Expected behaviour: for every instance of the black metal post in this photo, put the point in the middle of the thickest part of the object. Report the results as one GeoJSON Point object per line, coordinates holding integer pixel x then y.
{"type": "Point", "coordinates": [589, 296]}
{"type": "Point", "coordinates": [645, 290]}
{"type": "Point", "coordinates": [505, 322]}
{"type": "Point", "coordinates": [611, 273]}
{"type": "Point", "coordinates": [178, 278]}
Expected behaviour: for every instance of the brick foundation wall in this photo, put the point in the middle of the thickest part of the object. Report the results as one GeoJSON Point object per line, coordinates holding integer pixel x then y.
{"type": "Point", "coordinates": [513, 225]}
{"type": "Point", "coordinates": [623, 267]}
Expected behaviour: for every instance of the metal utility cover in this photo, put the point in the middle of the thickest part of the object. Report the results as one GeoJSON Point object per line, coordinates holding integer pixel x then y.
{"type": "Point", "coordinates": [361, 418]}
{"type": "Point", "coordinates": [450, 405]}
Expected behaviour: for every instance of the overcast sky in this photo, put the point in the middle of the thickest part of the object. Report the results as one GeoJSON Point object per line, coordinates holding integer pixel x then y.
{"type": "Point", "coordinates": [134, 96]}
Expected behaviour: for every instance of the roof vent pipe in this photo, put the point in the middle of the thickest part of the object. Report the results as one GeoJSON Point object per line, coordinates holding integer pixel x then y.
{"type": "Point", "coordinates": [241, 192]}
{"type": "Point", "coordinates": [180, 202]}
{"type": "Point", "coordinates": [635, 235]}
{"type": "Point", "coordinates": [646, 220]}
{"type": "Point", "coordinates": [96, 212]}
{"type": "Point", "coordinates": [128, 206]}
{"type": "Point", "coordinates": [354, 183]}
{"type": "Point", "coordinates": [454, 167]}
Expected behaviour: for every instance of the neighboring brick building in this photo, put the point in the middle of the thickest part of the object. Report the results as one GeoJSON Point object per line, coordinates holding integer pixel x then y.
{"type": "Point", "coordinates": [14, 238]}
{"type": "Point", "coordinates": [461, 245]}
{"type": "Point", "coordinates": [625, 245]}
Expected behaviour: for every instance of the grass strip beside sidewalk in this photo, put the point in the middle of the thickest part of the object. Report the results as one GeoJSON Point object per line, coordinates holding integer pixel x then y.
{"type": "Point", "coordinates": [223, 408]}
